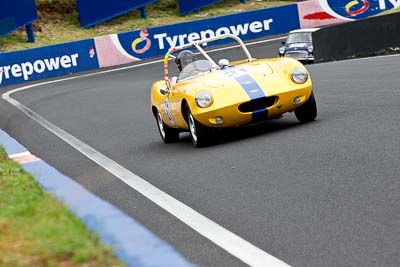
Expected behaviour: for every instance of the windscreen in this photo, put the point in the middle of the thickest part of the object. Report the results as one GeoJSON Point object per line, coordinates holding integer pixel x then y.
{"type": "Point", "coordinates": [202, 65]}
{"type": "Point", "coordinates": [299, 37]}
{"type": "Point", "coordinates": [196, 68]}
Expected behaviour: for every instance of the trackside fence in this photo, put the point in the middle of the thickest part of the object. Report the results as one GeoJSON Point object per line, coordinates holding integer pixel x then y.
{"type": "Point", "coordinates": [124, 48]}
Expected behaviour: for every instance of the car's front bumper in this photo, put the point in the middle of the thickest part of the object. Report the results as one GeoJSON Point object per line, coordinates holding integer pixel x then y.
{"type": "Point", "coordinates": [300, 55]}
{"type": "Point", "coordinates": [231, 116]}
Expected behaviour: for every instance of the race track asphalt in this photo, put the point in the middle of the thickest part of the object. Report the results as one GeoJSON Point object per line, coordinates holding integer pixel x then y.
{"type": "Point", "coordinates": [324, 193]}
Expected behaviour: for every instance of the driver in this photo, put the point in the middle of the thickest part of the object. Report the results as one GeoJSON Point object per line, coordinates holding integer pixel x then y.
{"type": "Point", "coordinates": [184, 58]}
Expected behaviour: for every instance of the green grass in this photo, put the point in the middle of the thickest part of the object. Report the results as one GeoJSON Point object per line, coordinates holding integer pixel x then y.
{"type": "Point", "coordinates": [36, 230]}
{"type": "Point", "coordinates": [58, 20]}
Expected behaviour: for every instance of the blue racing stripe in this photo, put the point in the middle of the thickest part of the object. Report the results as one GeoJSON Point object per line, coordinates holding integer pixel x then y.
{"type": "Point", "coordinates": [252, 88]}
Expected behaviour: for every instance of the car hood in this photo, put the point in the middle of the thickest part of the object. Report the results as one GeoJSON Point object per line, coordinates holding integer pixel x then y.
{"type": "Point", "coordinates": [228, 76]}
{"type": "Point", "coordinates": [297, 46]}
{"type": "Point", "coordinates": [231, 81]}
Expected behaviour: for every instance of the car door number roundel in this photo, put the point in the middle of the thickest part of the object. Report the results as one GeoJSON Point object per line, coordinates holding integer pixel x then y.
{"type": "Point", "coordinates": [168, 111]}
{"type": "Point", "coordinates": [236, 72]}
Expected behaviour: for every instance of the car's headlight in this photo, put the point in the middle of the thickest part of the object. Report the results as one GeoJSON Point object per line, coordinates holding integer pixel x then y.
{"type": "Point", "coordinates": [203, 99]}
{"type": "Point", "coordinates": [310, 49]}
{"type": "Point", "coordinates": [282, 50]}
{"type": "Point", "coordinates": [299, 75]}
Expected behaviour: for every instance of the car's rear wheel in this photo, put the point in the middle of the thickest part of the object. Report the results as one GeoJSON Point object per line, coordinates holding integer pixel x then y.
{"type": "Point", "coordinates": [308, 111]}
{"type": "Point", "coordinates": [198, 132]}
{"type": "Point", "coordinates": [168, 135]}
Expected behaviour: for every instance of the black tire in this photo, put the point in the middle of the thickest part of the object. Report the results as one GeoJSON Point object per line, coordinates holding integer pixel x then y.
{"type": "Point", "coordinates": [199, 133]}
{"type": "Point", "coordinates": [308, 111]}
{"type": "Point", "coordinates": [168, 135]}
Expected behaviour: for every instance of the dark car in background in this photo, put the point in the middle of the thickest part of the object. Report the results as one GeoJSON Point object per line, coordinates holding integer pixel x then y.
{"type": "Point", "coordinates": [299, 45]}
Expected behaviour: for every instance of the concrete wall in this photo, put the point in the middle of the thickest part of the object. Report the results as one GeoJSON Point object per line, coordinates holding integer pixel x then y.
{"type": "Point", "coordinates": [357, 39]}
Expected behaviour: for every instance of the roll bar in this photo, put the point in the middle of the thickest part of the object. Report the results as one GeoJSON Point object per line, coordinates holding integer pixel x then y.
{"type": "Point", "coordinates": [197, 45]}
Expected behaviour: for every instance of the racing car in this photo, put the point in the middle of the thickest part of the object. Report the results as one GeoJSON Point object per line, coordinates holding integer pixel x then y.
{"type": "Point", "coordinates": [205, 96]}
{"type": "Point", "coordinates": [299, 45]}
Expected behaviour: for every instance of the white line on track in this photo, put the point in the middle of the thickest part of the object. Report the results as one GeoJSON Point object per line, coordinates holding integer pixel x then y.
{"type": "Point", "coordinates": [227, 240]}
{"type": "Point", "coordinates": [230, 242]}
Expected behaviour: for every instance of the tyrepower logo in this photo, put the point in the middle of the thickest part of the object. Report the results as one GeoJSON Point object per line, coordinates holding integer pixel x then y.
{"type": "Point", "coordinates": [357, 9]}
{"type": "Point", "coordinates": [27, 69]}
{"type": "Point", "coordinates": [240, 29]}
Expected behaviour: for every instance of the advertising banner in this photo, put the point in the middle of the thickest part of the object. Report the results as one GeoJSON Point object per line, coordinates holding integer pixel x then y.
{"type": "Point", "coordinates": [357, 9]}
{"type": "Point", "coordinates": [132, 46]}
{"type": "Point", "coordinates": [124, 48]}
{"type": "Point", "coordinates": [316, 13]}
{"type": "Point", "coordinates": [16, 14]}
{"type": "Point", "coordinates": [93, 12]}
{"type": "Point", "coordinates": [46, 62]}
{"type": "Point", "coordinates": [187, 6]}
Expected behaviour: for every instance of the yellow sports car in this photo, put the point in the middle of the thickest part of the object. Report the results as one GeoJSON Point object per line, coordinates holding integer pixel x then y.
{"type": "Point", "coordinates": [205, 95]}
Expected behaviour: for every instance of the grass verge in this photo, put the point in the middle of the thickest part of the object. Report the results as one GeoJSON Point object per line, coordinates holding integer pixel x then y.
{"type": "Point", "coordinates": [36, 230]}
{"type": "Point", "coordinates": [58, 20]}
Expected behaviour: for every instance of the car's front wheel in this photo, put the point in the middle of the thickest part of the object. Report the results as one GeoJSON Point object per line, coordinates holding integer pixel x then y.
{"type": "Point", "coordinates": [198, 132]}
{"type": "Point", "coordinates": [168, 135]}
{"type": "Point", "coordinates": [308, 111]}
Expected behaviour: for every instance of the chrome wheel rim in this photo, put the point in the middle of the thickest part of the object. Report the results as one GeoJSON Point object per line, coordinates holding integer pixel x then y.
{"type": "Point", "coordinates": [192, 128]}
{"type": "Point", "coordinates": [160, 125]}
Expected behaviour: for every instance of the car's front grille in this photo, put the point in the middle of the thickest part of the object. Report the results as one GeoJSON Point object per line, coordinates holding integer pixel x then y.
{"type": "Point", "coordinates": [258, 104]}
{"type": "Point", "coordinates": [296, 54]}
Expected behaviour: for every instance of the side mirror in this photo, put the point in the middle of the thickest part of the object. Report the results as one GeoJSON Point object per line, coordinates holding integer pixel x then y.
{"type": "Point", "coordinates": [283, 42]}
{"type": "Point", "coordinates": [163, 91]}
{"type": "Point", "coordinates": [223, 63]}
